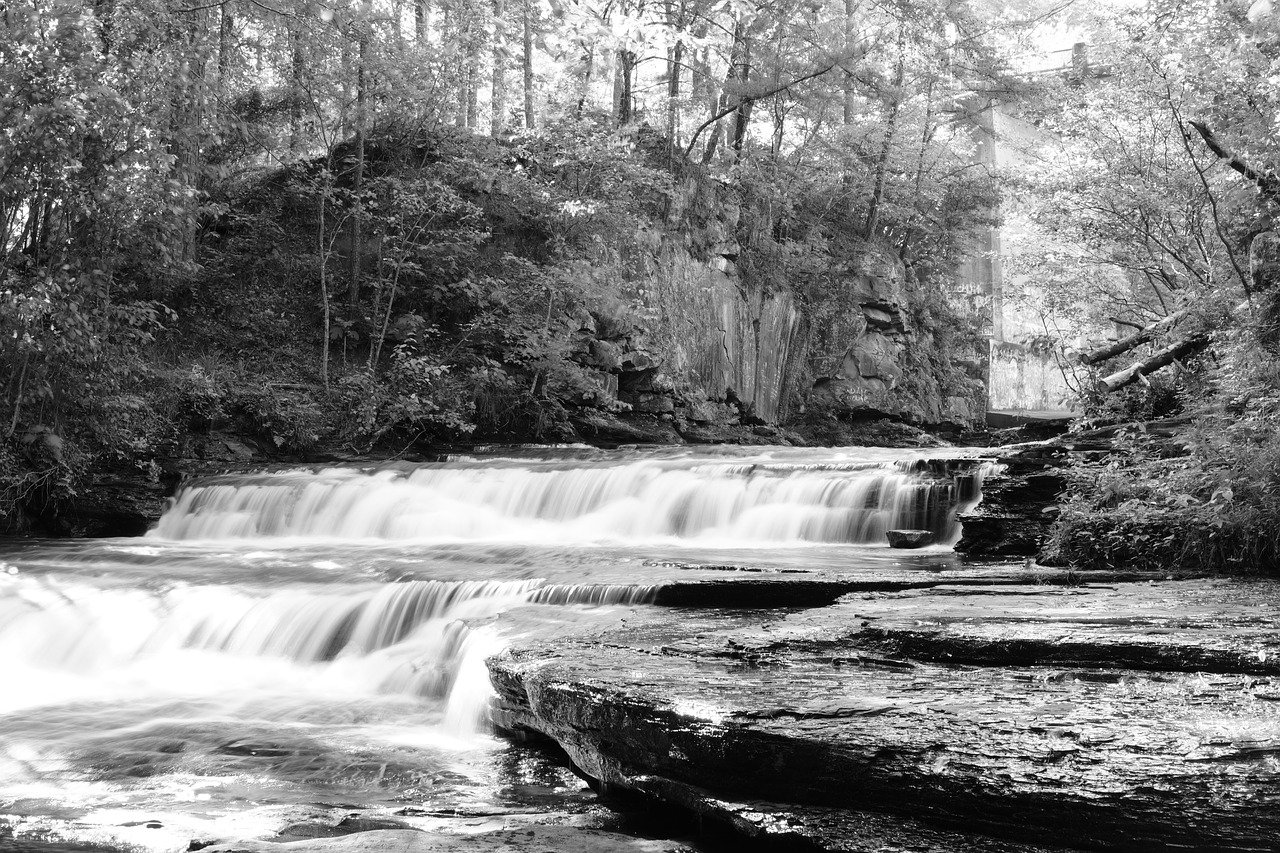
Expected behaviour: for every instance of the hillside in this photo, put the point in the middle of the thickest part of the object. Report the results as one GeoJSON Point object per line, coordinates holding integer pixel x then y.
{"type": "Point", "coordinates": [564, 286]}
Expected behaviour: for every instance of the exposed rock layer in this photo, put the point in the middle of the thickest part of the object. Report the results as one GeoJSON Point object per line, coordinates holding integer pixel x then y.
{"type": "Point", "coordinates": [709, 335]}
{"type": "Point", "coordinates": [824, 708]}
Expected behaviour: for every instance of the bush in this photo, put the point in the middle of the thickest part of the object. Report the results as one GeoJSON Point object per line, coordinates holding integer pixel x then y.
{"type": "Point", "coordinates": [1208, 499]}
{"type": "Point", "coordinates": [291, 419]}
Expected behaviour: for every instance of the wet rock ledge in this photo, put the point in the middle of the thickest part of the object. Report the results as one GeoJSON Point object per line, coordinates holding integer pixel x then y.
{"type": "Point", "coordinates": [1125, 716]}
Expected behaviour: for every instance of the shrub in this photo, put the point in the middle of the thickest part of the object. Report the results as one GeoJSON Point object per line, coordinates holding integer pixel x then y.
{"type": "Point", "coordinates": [1209, 498]}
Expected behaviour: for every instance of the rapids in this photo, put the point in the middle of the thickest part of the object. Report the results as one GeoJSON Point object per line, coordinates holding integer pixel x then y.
{"type": "Point", "coordinates": [314, 635]}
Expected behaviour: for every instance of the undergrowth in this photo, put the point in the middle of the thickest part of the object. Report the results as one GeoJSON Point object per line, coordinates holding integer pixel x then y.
{"type": "Point", "coordinates": [1207, 498]}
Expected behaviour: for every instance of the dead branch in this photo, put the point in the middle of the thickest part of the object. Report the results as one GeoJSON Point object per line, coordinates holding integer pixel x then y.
{"type": "Point", "coordinates": [1162, 358]}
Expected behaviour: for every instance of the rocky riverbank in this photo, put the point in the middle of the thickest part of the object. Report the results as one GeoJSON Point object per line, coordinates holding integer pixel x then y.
{"type": "Point", "coordinates": [1101, 714]}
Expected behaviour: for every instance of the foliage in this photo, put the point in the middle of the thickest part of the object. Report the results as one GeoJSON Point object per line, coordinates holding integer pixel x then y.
{"type": "Point", "coordinates": [280, 219]}
{"type": "Point", "coordinates": [1205, 499]}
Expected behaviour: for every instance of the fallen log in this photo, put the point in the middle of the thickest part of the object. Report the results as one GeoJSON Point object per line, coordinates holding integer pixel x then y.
{"type": "Point", "coordinates": [1139, 337]}
{"type": "Point", "coordinates": [1267, 182]}
{"type": "Point", "coordinates": [1154, 362]}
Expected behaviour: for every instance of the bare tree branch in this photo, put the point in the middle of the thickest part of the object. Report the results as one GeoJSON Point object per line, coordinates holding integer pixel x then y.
{"type": "Point", "coordinates": [758, 96]}
{"type": "Point", "coordinates": [1267, 182]}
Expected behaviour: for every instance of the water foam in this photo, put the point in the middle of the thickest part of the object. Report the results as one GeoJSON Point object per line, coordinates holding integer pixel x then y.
{"type": "Point", "coordinates": [646, 500]}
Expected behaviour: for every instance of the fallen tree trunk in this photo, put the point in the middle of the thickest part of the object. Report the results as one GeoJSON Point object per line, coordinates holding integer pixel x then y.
{"type": "Point", "coordinates": [1160, 359]}
{"type": "Point", "coordinates": [1139, 337]}
{"type": "Point", "coordinates": [1267, 181]}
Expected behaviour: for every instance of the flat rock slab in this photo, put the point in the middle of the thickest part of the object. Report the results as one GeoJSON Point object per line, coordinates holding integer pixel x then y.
{"type": "Point", "coordinates": [527, 839]}
{"type": "Point", "coordinates": [1187, 626]}
{"type": "Point", "coordinates": [775, 827]}
{"type": "Point", "coordinates": [1193, 626]}
{"type": "Point", "coordinates": [816, 709]}
{"type": "Point", "coordinates": [765, 588]}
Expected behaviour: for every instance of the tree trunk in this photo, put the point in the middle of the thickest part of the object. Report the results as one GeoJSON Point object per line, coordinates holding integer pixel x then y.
{"type": "Point", "coordinates": [421, 21]}
{"type": "Point", "coordinates": [226, 47]}
{"type": "Point", "coordinates": [588, 67]}
{"type": "Point", "coordinates": [1160, 359]}
{"type": "Point", "coordinates": [926, 136]}
{"type": "Point", "coordinates": [891, 126]}
{"type": "Point", "coordinates": [472, 74]}
{"type": "Point", "coordinates": [727, 102]}
{"type": "Point", "coordinates": [625, 96]}
{"type": "Point", "coordinates": [675, 57]}
{"type": "Point", "coordinates": [357, 180]}
{"type": "Point", "coordinates": [527, 64]}
{"type": "Point", "coordinates": [473, 92]}
{"type": "Point", "coordinates": [344, 109]}
{"type": "Point", "coordinates": [742, 115]}
{"type": "Point", "coordinates": [498, 103]}
{"type": "Point", "coordinates": [779, 126]}
{"type": "Point", "coordinates": [296, 88]}
{"type": "Point", "coordinates": [185, 128]}
{"type": "Point", "coordinates": [1140, 337]}
{"type": "Point", "coordinates": [323, 256]}
{"type": "Point", "coordinates": [714, 120]}
{"type": "Point", "coordinates": [849, 114]}
{"type": "Point", "coordinates": [1267, 182]}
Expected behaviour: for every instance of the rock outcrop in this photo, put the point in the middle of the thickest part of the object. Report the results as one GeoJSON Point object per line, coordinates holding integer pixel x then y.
{"type": "Point", "coordinates": [1072, 717]}
{"type": "Point", "coordinates": [712, 346]}
{"type": "Point", "coordinates": [1019, 501]}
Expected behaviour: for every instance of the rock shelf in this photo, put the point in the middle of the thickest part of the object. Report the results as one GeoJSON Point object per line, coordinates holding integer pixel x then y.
{"type": "Point", "coordinates": [1117, 716]}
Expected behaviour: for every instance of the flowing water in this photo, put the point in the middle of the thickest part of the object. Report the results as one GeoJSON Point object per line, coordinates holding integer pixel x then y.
{"type": "Point", "coordinates": [317, 636]}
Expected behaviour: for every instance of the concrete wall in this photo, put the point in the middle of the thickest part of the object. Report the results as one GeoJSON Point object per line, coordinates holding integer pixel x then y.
{"type": "Point", "coordinates": [1028, 344]}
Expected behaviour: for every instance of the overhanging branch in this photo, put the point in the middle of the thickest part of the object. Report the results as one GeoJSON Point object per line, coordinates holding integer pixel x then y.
{"type": "Point", "coordinates": [1267, 182]}
{"type": "Point", "coordinates": [759, 96]}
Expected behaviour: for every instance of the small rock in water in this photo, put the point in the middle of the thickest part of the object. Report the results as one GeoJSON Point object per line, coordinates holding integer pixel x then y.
{"type": "Point", "coordinates": [909, 538]}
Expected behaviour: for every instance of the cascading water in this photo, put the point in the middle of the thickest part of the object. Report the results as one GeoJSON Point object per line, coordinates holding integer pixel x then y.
{"type": "Point", "coordinates": [297, 635]}
{"type": "Point", "coordinates": [681, 498]}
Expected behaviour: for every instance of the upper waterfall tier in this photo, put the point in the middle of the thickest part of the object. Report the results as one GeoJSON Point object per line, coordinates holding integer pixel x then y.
{"type": "Point", "coordinates": [778, 496]}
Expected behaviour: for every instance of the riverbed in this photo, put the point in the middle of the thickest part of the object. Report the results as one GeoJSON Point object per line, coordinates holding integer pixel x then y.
{"type": "Point", "coordinates": [506, 648]}
{"type": "Point", "coordinates": [292, 642]}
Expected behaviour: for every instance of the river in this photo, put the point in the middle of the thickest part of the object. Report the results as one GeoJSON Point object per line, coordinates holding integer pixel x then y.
{"type": "Point", "coordinates": [309, 636]}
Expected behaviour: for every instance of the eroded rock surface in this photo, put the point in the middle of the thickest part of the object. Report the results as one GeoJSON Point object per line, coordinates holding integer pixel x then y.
{"type": "Point", "coordinates": [1131, 716]}
{"type": "Point", "coordinates": [530, 839]}
{"type": "Point", "coordinates": [1019, 501]}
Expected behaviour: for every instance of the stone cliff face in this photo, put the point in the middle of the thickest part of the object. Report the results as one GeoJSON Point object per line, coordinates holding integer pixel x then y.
{"type": "Point", "coordinates": [882, 349]}
{"type": "Point", "coordinates": [864, 345]}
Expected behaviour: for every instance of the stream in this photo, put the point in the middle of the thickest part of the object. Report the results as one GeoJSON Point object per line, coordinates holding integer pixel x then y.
{"type": "Point", "coordinates": [296, 641]}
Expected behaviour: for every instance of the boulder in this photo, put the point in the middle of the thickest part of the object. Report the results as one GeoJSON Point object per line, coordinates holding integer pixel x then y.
{"type": "Point", "coordinates": [605, 355]}
{"type": "Point", "coordinates": [866, 398]}
{"type": "Point", "coordinates": [653, 404]}
{"type": "Point", "coordinates": [909, 538]}
{"type": "Point", "coordinates": [635, 361]}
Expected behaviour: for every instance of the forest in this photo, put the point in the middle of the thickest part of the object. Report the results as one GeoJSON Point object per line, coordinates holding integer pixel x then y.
{"type": "Point", "coordinates": [313, 229]}
{"type": "Point", "coordinates": [639, 426]}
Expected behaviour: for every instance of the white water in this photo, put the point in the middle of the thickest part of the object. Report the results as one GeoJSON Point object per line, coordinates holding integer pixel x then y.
{"type": "Point", "coordinates": [304, 636]}
{"type": "Point", "coordinates": [832, 498]}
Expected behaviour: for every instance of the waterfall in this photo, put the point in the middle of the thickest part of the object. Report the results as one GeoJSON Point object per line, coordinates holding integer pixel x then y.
{"type": "Point", "coordinates": [763, 499]}
{"type": "Point", "coordinates": [413, 638]}
{"type": "Point", "coordinates": [320, 635]}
